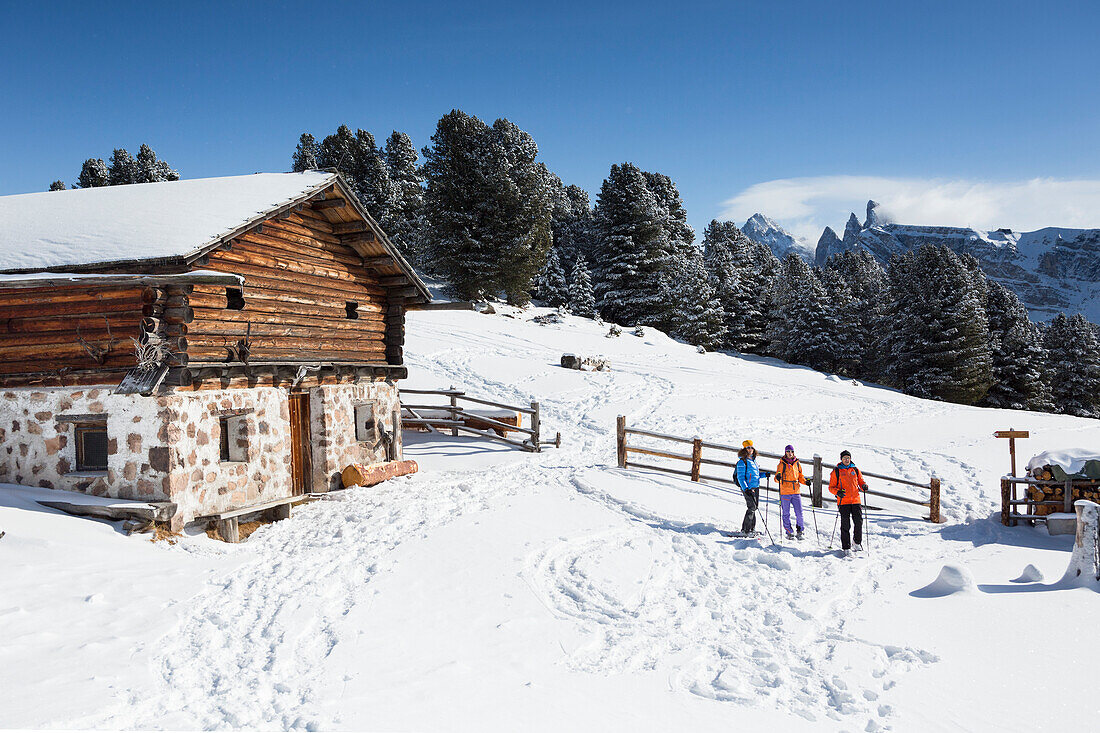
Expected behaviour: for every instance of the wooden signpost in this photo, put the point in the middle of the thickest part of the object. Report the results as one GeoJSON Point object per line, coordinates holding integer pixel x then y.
{"type": "Point", "coordinates": [1012, 435]}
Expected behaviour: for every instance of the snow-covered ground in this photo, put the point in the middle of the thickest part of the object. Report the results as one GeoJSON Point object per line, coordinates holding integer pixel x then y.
{"type": "Point", "coordinates": [501, 590]}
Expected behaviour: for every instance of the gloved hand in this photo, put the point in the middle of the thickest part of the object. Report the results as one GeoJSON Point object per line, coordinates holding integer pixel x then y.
{"type": "Point", "coordinates": [840, 494]}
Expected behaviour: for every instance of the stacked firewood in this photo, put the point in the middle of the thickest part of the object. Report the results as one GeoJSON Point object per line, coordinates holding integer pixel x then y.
{"type": "Point", "coordinates": [1056, 491]}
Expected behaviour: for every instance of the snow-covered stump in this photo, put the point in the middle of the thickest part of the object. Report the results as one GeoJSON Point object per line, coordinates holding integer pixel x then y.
{"type": "Point", "coordinates": [1084, 565]}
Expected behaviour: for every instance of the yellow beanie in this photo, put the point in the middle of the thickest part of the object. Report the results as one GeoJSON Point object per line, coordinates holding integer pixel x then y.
{"type": "Point", "coordinates": [746, 444]}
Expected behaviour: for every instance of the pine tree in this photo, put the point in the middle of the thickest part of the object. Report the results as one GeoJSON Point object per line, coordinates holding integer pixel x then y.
{"type": "Point", "coordinates": [93, 174]}
{"type": "Point", "coordinates": [856, 287]}
{"type": "Point", "coordinates": [305, 155]}
{"type": "Point", "coordinates": [743, 273]}
{"type": "Point", "coordinates": [552, 287]}
{"type": "Point", "coordinates": [696, 312]}
{"type": "Point", "coordinates": [632, 250]}
{"type": "Point", "coordinates": [799, 329]}
{"type": "Point", "coordinates": [57, 186]}
{"type": "Point", "coordinates": [360, 162]}
{"type": "Point", "coordinates": [151, 170]}
{"type": "Point", "coordinates": [407, 218]}
{"type": "Point", "coordinates": [1019, 359]}
{"type": "Point", "coordinates": [572, 223]}
{"type": "Point", "coordinates": [487, 206]}
{"type": "Point", "coordinates": [939, 341]}
{"type": "Point", "coordinates": [582, 302]}
{"type": "Point", "coordinates": [1074, 364]}
{"type": "Point", "coordinates": [123, 169]}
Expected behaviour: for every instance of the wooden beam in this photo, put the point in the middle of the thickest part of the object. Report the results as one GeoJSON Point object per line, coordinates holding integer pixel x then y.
{"type": "Point", "coordinates": [348, 227]}
{"type": "Point", "coordinates": [379, 262]}
{"type": "Point", "coordinates": [396, 280]}
{"type": "Point", "coordinates": [329, 204]}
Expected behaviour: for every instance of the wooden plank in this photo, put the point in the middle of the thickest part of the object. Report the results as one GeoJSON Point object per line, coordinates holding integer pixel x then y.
{"type": "Point", "coordinates": [657, 453]}
{"type": "Point", "coordinates": [336, 203]}
{"type": "Point", "coordinates": [479, 401]}
{"type": "Point", "coordinates": [651, 434]}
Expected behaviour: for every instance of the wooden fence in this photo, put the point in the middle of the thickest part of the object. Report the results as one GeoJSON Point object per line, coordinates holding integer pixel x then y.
{"type": "Point", "coordinates": [1071, 489]}
{"type": "Point", "coordinates": [459, 419]}
{"type": "Point", "coordinates": [697, 461]}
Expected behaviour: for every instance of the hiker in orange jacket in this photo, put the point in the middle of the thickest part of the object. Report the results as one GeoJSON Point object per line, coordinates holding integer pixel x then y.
{"type": "Point", "coordinates": [845, 482]}
{"type": "Point", "coordinates": [791, 480]}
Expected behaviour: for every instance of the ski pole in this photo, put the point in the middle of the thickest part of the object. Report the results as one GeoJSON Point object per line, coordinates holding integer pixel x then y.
{"type": "Point", "coordinates": [866, 522]}
{"type": "Point", "coordinates": [837, 519]}
{"type": "Point", "coordinates": [814, 513]}
{"type": "Point", "coordinates": [768, 479]}
{"type": "Point", "coordinates": [770, 538]}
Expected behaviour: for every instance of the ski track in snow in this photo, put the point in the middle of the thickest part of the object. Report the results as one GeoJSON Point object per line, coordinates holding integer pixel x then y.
{"type": "Point", "coordinates": [255, 642]}
{"type": "Point", "coordinates": [736, 621]}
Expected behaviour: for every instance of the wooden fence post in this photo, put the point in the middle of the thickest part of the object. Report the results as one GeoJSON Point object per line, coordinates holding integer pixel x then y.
{"type": "Point", "coordinates": [620, 439]}
{"type": "Point", "coordinates": [696, 457]}
{"type": "Point", "coordinates": [1006, 502]}
{"type": "Point", "coordinates": [934, 500]}
{"type": "Point", "coordinates": [1067, 500]}
{"type": "Point", "coordinates": [453, 415]}
{"type": "Point", "coordinates": [816, 496]}
{"type": "Point", "coordinates": [535, 424]}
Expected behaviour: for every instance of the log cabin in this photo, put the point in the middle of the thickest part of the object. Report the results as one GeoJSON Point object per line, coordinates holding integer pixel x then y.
{"type": "Point", "coordinates": [212, 344]}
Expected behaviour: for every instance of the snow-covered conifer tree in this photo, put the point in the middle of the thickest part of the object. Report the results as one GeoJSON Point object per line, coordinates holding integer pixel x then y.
{"type": "Point", "coordinates": [93, 174]}
{"type": "Point", "coordinates": [1074, 365]}
{"type": "Point", "coordinates": [123, 169]}
{"type": "Point", "coordinates": [407, 219]}
{"type": "Point", "coordinates": [57, 186]}
{"type": "Point", "coordinates": [151, 170]}
{"type": "Point", "coordinates": [552, 287]}
{"type": "Point", "coordinates": [305, 155]}
{"type": "Point", "coordinates": [632, 250]}
{"type": "Point", "coordinates": [939, 340]}
{"type": "Point", "coordinates": [582, 302]}
{"type": "Point", "coordinates": [1019, 359]}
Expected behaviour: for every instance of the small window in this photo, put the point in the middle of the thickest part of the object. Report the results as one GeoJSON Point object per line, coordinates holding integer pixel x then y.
{"type": "Point", "coordinates": [366, 428]}
{"type": "Point", "coordinates": [234, 299]}
{"type": "Point", "coordinates": [223, 428]}
{"type": "Point", "coordinates": [233, 438]}
{"type": "Point", "coordinates": [91, 447]}
{"type": "Point", "coordinates": [352, 309]}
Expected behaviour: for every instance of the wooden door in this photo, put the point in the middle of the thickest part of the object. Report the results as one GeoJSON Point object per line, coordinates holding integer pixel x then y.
{"type": "Point", "coordinates": [301, 468]}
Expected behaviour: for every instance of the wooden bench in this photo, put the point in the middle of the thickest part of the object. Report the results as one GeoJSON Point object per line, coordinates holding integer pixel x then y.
{"type": "Point", "coordinates": [227, 522]}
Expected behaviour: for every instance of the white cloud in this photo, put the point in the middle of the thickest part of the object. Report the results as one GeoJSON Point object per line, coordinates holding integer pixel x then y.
{"type": "Point", "coordinates": [805, 206]}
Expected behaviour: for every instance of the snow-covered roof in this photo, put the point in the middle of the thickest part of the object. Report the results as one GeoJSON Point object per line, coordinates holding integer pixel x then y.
{"type": "Point", "coordinates": [141, 221]}
{"type": "Point", "coordinates": [34, 279]}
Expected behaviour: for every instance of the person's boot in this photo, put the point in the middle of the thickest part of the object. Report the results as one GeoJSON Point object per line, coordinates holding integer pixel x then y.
{"type": "Point", "coordinates": [798, 534]}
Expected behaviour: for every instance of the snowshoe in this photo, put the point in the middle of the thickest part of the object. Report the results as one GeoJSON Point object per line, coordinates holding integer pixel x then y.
{"type": "Point", "coordinates": [790, 535]}
{"type": "Point", "coordinates": [743, 535]}
{"type": "Point", "coordinates": [798, 535]}
{"type": "Point", "coordinates": [859, 548]}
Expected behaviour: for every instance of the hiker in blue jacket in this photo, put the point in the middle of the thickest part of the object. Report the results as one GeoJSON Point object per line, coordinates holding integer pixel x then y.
{"type": "Point", "coordinates": [747, 474]}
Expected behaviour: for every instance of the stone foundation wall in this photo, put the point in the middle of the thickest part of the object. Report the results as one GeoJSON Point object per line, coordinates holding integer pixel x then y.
{"type": "Point", "coordinates": [201, 483]}
{"type": "Point", "coordinates": [167, 447]}
{"type": "Point", "coordinates": [332, 417]}
{"type": "Point", "coordinates": [38, 450]}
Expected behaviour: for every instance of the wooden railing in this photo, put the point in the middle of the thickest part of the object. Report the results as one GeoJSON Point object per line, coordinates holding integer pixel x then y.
{"type": "Point", "coordinates": [1010, 517]}
{"type": "Point", "coordinates": [459, 419]}
{"type": "Point", "coordinates": [697, 461]}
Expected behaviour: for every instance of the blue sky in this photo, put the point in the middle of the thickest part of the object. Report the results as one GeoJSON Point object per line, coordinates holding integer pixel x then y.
{"type": "Point", "coordinates": [790, 107]}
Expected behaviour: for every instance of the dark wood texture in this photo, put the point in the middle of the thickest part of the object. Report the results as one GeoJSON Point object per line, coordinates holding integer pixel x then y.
{"type": "Point", "coordinates": [298, 280]}
{"type": "Point", "coordinates": [70, 327]}
{"type": "Point", "coordinates": [300, 466]}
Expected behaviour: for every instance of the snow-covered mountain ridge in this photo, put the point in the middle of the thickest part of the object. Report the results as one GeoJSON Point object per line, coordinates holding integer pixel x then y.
{"type": "Point", "coordinates": [760, 228]}
{"type": "Point", "coordinates": [1052, 270]}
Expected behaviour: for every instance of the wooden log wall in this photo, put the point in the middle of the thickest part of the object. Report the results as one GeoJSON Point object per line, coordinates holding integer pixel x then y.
{"type": "Point", "coordinates": [298, 279]}
{"type": "Point", "coordinates": [73, 327]}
